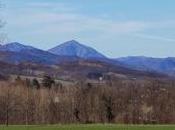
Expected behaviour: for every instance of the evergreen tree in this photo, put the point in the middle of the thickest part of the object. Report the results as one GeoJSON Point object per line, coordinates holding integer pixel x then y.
{"type": "Point", "coordinates": [48, 81]}
{"type": "Point", "coordinates": [35, 83]}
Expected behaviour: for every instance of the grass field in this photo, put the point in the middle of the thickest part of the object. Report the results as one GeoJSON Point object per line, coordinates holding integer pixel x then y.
{"type": "Point", "coordinates": [91, 127]}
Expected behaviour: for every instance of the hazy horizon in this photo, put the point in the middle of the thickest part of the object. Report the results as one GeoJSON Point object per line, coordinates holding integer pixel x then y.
{"type": "Point", "coordinates": [116, 28]}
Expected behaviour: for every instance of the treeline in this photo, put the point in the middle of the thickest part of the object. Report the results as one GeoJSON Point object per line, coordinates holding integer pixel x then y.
{"type": "Point", "coordinates": [116, 101]}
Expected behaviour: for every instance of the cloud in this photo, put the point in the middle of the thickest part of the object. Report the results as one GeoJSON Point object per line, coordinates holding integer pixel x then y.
{"type": "Point", "coordinates": [54, 6]}
{"type": "Point", "coordinates": [57, 17]}
{"type": "Point", "coordinates": [67, 22]}
{"type": "Point", "coordinates": [54, 18]}
{"type": "Point", "coordinates": [152, 37]}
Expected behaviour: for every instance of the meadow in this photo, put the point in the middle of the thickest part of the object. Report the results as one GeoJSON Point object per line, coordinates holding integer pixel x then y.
{"type": "Point", "coordinates": [91, 127]}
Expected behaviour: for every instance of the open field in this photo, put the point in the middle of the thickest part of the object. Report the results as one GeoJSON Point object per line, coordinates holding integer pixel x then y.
{"type": "Point", "coordinates": [91, 127]}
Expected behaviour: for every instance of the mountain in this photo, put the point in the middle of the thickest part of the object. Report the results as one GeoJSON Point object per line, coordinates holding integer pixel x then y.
{"type": "Point", "coordinates": [18, 53]}
{"type": "Point", "coordinates": [75, 49]}
{"type": "Point", "coordinates": [73, 52]}
{"type": "Point", "coordinates": [15, 47]}
{"type": "Point", "coordinates": [71, 60]}
{"type": "Point", "coordinates": [161, 65]}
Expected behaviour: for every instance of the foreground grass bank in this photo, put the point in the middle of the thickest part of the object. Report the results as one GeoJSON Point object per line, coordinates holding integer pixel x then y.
{"type": "Point", "coordinates": [91, 127]}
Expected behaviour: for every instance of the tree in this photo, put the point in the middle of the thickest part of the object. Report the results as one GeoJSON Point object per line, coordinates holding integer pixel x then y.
{"type": "Point", "coordinates": [77, 114]}
{"type": "Point", "coordinates": [18, 79]}
{"type": "Point", "coordinates": [36, 84]}
{"type": "Point", "coordinates": [8, 103]}
{"type": "Point", "coordinates": [48, 81]}
{"type": "Point", "coordinates": [108, 104]}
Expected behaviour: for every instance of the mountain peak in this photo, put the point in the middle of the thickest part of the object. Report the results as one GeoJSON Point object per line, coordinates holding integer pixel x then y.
{"type": "Point", "coordinates": [72, 43]}
{"type": "Point", "coordinates": [74, 48]}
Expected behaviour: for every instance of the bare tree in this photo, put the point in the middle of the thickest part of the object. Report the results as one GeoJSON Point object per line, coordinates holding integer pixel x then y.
{"type": "Point", "coordinates": [137, 102]}
{"type": "Point", "coordinates": [8, 102]}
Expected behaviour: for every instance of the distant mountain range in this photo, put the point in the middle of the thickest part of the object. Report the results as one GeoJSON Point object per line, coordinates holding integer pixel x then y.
{"type": "Point", "coordinates": [16, 53]}
{"type": "Point", "coordinates": [161, 65]}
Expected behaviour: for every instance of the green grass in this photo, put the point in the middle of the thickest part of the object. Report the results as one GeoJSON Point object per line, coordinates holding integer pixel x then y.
{"type": "Point", "coordinates": [91, 127]}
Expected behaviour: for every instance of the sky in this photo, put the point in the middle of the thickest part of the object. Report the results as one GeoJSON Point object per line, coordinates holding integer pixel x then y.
{"type": "Point", "coordinates": [116, 28]}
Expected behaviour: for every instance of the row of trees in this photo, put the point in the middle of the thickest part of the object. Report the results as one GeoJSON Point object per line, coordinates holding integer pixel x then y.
{"type": "Point", "coordinates": [122, 101]}
{"type": "Point", "coordinates": [47, 82]}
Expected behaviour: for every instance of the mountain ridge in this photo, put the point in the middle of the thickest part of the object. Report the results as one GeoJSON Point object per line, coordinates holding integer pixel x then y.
{"type": "Point", "coordinates": [72, 50]}
{"type": "Point", "coordinates": [16, 53]}
{"type": "Point", "coordinates": [15, 47]}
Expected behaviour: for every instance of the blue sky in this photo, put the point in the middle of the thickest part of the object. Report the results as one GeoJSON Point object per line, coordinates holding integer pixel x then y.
{"type": "Point", "coordinates": [116, 28]}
